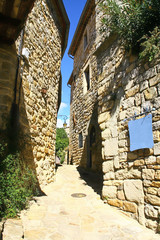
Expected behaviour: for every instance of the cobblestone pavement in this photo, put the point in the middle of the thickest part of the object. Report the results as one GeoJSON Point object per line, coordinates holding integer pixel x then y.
{"type": "Point", "coordinates": [60, 216]}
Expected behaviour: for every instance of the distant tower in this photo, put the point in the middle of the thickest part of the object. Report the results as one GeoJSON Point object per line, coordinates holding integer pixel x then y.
{"type": "Point", "coordinates": [64, 124]}
{"type": "Point", "coordinates": [64, 118]}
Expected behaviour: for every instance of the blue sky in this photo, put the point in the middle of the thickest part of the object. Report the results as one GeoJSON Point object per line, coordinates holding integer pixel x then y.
{"type": "Point", "coordinates": [74, 9]}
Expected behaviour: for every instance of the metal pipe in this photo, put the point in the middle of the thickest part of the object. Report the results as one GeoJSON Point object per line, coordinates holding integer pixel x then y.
{"type": "Point", "coordinates": [71, 56]}
{"type": "Point", "coordinates": [14, 115]}
{"type": "Point", "coordinates": [68, 85]}
{"type": "Point", "coordinates": [138, 115]}
{"type": "Point", "coordinates": [18, 65]}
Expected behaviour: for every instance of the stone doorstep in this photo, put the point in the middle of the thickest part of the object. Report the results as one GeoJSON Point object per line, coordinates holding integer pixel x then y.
{"type": "Point", "coordinates": [10, 227]}
{"type": "Point", "coordinates": [1, 228]}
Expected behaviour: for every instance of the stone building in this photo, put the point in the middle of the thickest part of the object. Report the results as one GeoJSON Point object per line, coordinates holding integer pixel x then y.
{"type": "Point", "coordinates": [13, 16]}
{"type": "Point", "coordinates": [85, 140]}
{"type": "Point", "coordinates": [108, 88]}
{"type": "Point", "coordinates": [37, 90]}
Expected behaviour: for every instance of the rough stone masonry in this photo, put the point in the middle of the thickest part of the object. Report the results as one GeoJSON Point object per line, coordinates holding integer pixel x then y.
{"type": "Point", "coordinates": [120, 86]}
{"type": "Point", "coordinates": [39, 104]}
{"type": "Point", "coordinates": [35, 85]}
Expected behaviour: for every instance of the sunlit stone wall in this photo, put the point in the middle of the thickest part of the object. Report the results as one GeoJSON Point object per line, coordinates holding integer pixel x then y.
{"type": "Point", "coordinates": [40, 87]}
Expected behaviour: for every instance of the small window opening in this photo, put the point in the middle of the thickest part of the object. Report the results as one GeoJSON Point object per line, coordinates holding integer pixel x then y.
{"type": "Point", "coordinates": [87, 77]}
{"type": "Point", "coordinates": [85, 40]}
{"type": "Point", "coordinates": [74, 81]}
{"type": "Point", "coordinates": [80, 140]}
{"type": "Point", "coordinates": [74, 78]}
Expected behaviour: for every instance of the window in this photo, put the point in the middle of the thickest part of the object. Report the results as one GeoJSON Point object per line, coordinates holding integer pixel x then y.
{"type": "Point", "coordinates": [73, 87]}
{"type": "Point", "coordinates": [87, 76]}
{"type": "Point", "coordinates": [85, 40]}
{"type": "Point", "coordinates": [80, 140]}
{"type": "Point", "coordinates": [74, 78]}
{"type": "Point", "coordinates": [74, 82]}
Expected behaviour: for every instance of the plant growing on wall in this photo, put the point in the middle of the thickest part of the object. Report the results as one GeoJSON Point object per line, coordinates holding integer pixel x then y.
{"type": "Point", "coordinates": [17, 183]}
{"type": "Point", "coordinates": [132, 20]}
{"type": "Point", "coordinates": [62, 142]}
{"type": "Point", "coordinates": [151, 45]}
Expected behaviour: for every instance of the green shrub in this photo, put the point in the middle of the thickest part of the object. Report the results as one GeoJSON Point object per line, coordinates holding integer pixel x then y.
{"type": "Point", "coordinates": [151, 45]}
{"type": "Point", "coordinates": [62, 142]}
{"type": "Point", "coordinates": [61, 155]}
{"type": "Point", "coordinates": [131, 20]}
{"type": "Point", "coordinates": [17, 183]}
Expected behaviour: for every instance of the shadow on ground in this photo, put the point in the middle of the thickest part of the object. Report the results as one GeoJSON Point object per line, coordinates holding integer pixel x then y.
{"type": "Point", "coordinates": [92, 179]}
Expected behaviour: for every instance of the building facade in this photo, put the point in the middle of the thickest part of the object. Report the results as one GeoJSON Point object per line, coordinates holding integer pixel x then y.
{"type": "Point", "coordinates": [13, 17]}
{"type": "Point", "coordinates": [37, 90]}
{"type": "Point", "coordinates": [85, 141]}
{"type": "Point", "coordinates": [45, 40]}
{"type": "Point", "coordinates": [108, 88]}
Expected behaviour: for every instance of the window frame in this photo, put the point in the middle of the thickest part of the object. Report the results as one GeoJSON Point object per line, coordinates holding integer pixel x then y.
{"type": "Point", "coordinates": [87, 74]}
{"type": "Point", "coordinates": [85, 39]}
{"type": "Point", "coordinates": [80, 140]}
{"type": "Point", "coordinates": [87, 77]}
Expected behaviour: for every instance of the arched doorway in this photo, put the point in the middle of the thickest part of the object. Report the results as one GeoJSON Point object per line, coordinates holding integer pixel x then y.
{"type": "Point", "coordinates": [92, 149]}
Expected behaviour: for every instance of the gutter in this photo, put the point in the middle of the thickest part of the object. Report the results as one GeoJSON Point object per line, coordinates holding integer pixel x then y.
{"type": "Point", "coordinates": [13, 130]}
{"type": "Point", "coordinates": [67, 25]}
{"type": "Point", "coordinates": [72, 57]}
{"type": "Point", "coordinates": [70, 82]}
{"type": "Point", "coordinates": [78, 26]}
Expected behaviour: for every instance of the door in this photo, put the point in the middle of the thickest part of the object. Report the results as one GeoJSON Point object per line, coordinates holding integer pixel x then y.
{"type": "Point", "coordinates": [92, 150]}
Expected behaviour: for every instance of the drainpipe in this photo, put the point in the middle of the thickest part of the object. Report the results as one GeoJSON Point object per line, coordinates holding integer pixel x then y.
{"type": "Point", "coordinates": [14, 114]}
{"type": "Point", "coordinates": [68, 85]}
{"type": "Point", "coordinates": [71, 56]}
{"type": "Point", "coordinates": [18, 66]}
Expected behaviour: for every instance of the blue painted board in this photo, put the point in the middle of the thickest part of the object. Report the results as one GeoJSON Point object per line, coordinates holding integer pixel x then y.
{"type": "Point", "coordinates": [140, 132]}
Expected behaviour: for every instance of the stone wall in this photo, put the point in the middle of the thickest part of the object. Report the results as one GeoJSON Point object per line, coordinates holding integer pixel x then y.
{"type": "Point", "coordinates": [8, 65]}
{"type": "Point", "coordinates": [127, 87]}
{"type": "Point", "coordinates": [131, 179]}
{"type": "Point", "coordinates": [84, 105]}
{"type": "Point", "coordinates": [121, 87]}
{"type": "Point", "coordinates": [40, 86]}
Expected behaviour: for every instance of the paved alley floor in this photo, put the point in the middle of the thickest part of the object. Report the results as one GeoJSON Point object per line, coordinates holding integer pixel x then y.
{"type": "Point", "coordinates": [61, 216]}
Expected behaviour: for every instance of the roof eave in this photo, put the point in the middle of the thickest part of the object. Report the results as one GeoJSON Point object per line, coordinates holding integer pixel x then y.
{"type": "Point", "coordinates": [11, 25]}
{"type": "Point", "coordinates": [66, 19]}
{"type": "Point", "coordinates": [72, 48]}
{"type": "Point", "coordinates": [70, 79]}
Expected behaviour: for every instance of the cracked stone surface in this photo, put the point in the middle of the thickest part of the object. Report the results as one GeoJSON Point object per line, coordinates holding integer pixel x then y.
{"type": "Point", "coordinates": [59, 216]}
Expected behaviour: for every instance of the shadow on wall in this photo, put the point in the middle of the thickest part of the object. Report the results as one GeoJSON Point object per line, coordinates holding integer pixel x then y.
{"type": "Point", "coordinates": [120, 83]}
{"type": "Point", "coordinates": [19, 132]}
{"type": "Point", "coordinates": [90, 167]}
{"type": "Point", "coordinates": [113, 92]}
{"type": "Point", "coordinates": [119, 69]}
{"type": "Point", "coordinates": [122, 93]}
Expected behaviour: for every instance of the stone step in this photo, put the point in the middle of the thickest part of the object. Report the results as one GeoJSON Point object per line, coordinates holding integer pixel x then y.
{"type": "Point", "coordinates": [12, 230]}
{"type": "Point", "coordinates": [1, 229]}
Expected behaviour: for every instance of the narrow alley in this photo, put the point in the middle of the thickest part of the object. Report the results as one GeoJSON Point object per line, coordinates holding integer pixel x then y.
{"type": "Point", "coordinates": [64, 215]}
